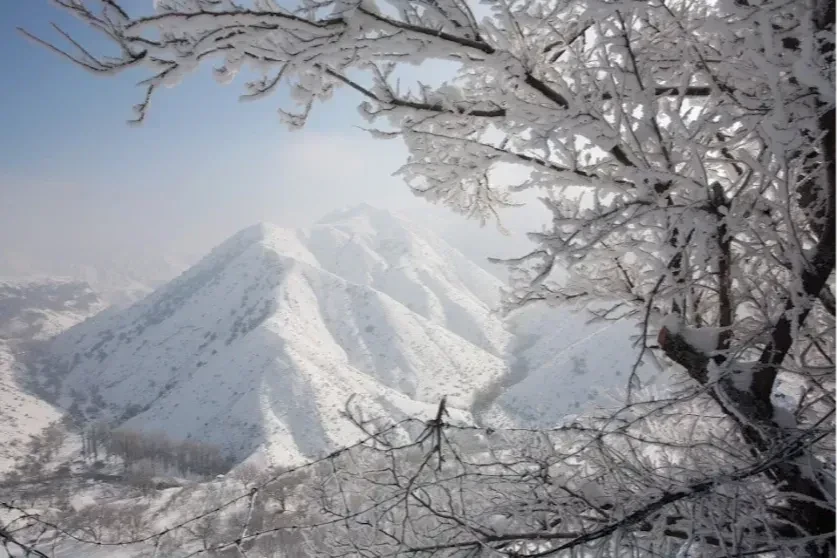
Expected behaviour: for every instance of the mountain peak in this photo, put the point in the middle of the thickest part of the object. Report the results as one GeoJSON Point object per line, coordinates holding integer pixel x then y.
{"type": "Point", "coordinates": [249, 235]}
{"type": "Point", "coordinates": [256, 348]}
{"type": "Point", "coordinates": [259, 343]}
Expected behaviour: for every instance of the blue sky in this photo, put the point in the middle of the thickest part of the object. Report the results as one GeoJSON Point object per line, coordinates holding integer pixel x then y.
{"type": "Point", "coordinates": [75, 178]}
{"type": "Point", "coordinates": [201, 163]}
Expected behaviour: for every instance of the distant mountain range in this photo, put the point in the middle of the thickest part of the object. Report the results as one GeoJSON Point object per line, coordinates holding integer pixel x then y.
{"type": "Point", "coordinates": [117, 278]}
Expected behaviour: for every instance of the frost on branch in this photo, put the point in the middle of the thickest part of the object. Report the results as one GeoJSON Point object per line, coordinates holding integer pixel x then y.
{"type": "Point", "coordinates": [684, 150]}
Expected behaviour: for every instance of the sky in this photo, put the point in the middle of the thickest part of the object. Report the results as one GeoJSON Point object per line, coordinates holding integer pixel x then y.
{"type": "Point", "coordinates": [78, 183]}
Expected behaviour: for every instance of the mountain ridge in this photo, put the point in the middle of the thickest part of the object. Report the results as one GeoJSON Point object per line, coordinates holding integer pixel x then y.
{"type": "Point", "coordinates": [299, 335]}
{"type": "Point", "coordinates": [257, 347]}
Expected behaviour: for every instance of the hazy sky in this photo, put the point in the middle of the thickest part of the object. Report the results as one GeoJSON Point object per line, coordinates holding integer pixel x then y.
{"type": "Point", "coordinates": [75, 179]}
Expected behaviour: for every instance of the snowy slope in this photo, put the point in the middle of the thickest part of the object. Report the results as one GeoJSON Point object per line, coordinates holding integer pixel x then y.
{"type": "Point", "coordinates": [37, 309]}
{"type": "Point", "coordinates": [373, 247]}
{"type": "Point", "coordinates": [564, 364]}
{"type": "Point", "coordinates": [259, 345]}
{"type": "Point", "coordinates": [22, 414]}
{"type": "Point", "coordinates": [32, 311]}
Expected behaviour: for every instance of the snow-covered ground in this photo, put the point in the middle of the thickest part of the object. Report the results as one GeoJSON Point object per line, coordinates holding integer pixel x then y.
{"type": "Point", "coordinates": [21, 413]}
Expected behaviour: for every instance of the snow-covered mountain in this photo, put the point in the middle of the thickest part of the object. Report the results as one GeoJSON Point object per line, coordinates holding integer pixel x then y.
{"type": "Point", "coordinates": [259, 345]}
{"type": "Point", "coordinates": [32, 311]}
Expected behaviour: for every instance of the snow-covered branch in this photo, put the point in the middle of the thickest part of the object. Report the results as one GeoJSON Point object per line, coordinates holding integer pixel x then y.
{"type": "Point", "coordinates": [686, 154]}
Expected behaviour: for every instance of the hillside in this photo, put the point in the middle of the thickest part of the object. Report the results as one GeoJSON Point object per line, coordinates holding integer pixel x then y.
{"type": "Point", "coordinates": [32, 311]}
{"type": "Point", "coordinates": [256, 350]}
{"type": "Point", "coordinates": [37, 309]}
{"type": "Point", "coordinates": [257, 347]}
{"type": "Point", "coordinates": [582, 363]}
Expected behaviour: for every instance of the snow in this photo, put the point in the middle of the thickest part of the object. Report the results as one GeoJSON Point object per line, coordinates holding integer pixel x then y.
{"type": "Point", "coordinates": [742, 377]}
{"type": "Point", "coordinates": [37, 309]}
{"type": "Point", "coordinates": [80, 501]}
{"type": "Point", "coordinates": [21, 413]}
{"type": "Point", "coordinates": [784, 418]}
{"type": "Point", "coordinates": [258, 346]}
{"type": "Point", "coordinates": [672, 323]}
{"type": "Point", "coordinates": [704, 339]}
{"type": "Point", "coordinates": [31, 311]}
{"type": "Point", "coordinates": [568, 365]}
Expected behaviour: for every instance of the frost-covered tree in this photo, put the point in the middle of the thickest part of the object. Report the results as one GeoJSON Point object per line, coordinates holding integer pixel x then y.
{"type": "Point", "coordinates": [686, 151]}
